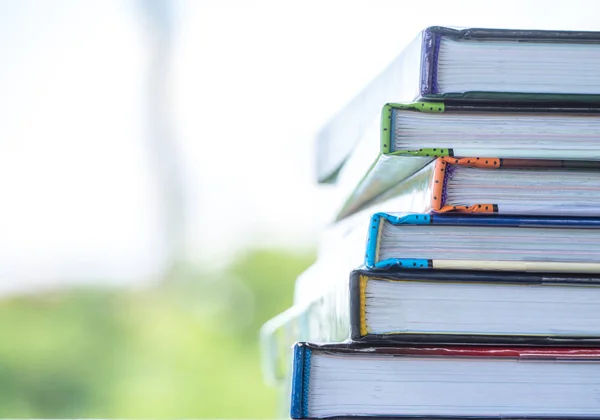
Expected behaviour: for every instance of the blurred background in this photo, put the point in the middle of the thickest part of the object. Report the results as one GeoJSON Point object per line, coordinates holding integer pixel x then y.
{"type": "Point", "coordinates": [157, 192]}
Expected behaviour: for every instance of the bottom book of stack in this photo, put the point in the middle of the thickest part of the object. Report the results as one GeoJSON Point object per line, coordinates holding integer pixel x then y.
{"type": "Point", "coordinates": [341, 380]}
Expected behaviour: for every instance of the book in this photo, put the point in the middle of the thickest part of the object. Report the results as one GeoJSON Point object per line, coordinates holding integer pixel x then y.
{"type": "Point", "coordinates": [445, 382]}
{"type": "Point", "coordinates": [469, 65]}
{"type": "Point", "coordinates": [492, 185]}
{"type": "Point", "coordinates": [496, 64]}
{"type": "Point", "coordinates": [476, 307]}
{"type": "Point", "coordinates": [413, 135]}
{"type": "Point", "coordinates": [484, 242]}
{"type": "Point", "coordinates": [435, 129]}
{"type": "Point", "coordinates": [440, 307]}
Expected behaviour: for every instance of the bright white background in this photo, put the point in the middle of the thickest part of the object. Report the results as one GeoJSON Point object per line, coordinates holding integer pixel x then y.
{"type": "Point", "coordinates": [249, 84]}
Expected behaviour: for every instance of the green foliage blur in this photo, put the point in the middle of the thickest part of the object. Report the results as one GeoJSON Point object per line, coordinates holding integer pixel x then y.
{"type": "Point", "coordinates": [186, 348]}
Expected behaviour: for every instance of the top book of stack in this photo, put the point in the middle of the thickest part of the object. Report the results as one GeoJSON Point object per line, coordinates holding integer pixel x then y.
{"type": "Point", "coordinates": [470, 65]}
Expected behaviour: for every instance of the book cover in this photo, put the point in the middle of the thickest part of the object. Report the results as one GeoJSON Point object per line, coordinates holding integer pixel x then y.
{"type": "Point", "coordinates": [442, 381]}
{"type": "Point", "coordinates": [473, 307]}
{"type": "Point", "coordinates": [483, 242]}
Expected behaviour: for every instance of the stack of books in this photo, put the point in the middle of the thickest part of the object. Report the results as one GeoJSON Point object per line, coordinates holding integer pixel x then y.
{"type": "Point", "coordinates": [461, 275]}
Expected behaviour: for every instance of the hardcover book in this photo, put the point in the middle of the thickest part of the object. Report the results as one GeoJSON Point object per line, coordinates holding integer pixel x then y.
{"type": "Point", "coordinates": [484, 242]}
{"type": "Point", "coordinates": [445, 382]}
{"type": "Point", "coordinates": [474, 307]}
{"type": "Point", "coordinates": [492, 185]}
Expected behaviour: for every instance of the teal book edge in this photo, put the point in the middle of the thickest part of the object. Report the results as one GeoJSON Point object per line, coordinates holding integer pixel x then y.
{"type": "Point", "coordinates": [374, 234]}
{"type": "Point", "coordinates": [300, 382]}
{"type": "Point", "coordinates": [371, 257]}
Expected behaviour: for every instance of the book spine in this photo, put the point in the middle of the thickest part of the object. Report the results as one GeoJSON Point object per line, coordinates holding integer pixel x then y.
{"type": "Point", "coordinates": [357, 307]}
{"type": "Point", "coordinates": [429, 63]}
{"type": "Point", "coordinates": [300, 382]}
{"type": "Point", "coordinates": [388, 120]}
{"type": "Point", "coordinates": [387, 127]}
{"type": "Point", "coordinates": [444, 171]}
{"type": "Point", "coordinates": [372, 255]}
